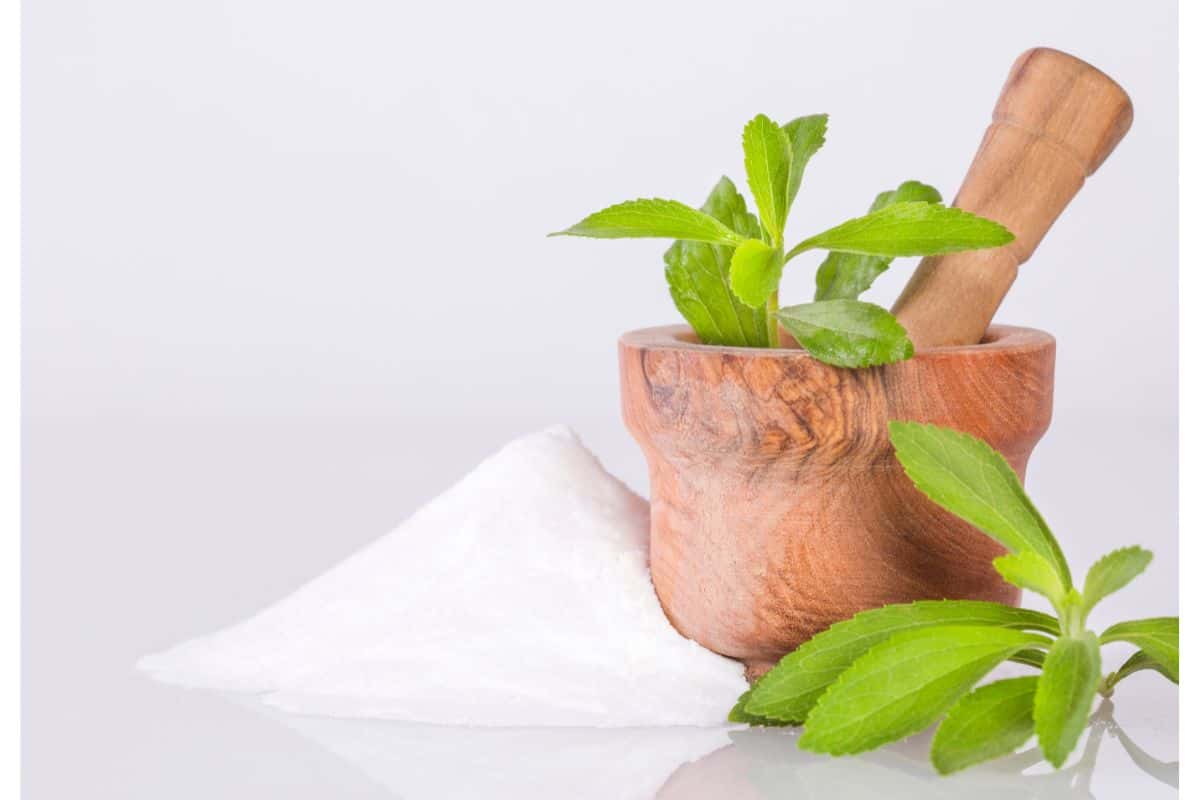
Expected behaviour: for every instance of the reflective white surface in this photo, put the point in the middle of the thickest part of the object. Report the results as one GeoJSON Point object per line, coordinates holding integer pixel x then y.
{"type": "Point", "coordinates": [140, 533]}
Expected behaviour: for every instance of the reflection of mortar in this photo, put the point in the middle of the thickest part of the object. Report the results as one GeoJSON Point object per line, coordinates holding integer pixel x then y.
{"type": "Point", "coordinates": [777, 506]}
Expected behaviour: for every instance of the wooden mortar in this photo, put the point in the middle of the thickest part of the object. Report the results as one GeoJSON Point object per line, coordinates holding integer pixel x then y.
{"type": "Point", "coordinates": [777, 506]}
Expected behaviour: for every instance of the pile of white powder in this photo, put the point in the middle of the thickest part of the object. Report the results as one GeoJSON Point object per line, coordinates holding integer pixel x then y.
{"type": "Point", "coordinates": [519, 597]}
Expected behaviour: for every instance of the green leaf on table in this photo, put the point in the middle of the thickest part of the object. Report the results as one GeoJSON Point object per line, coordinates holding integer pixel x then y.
{"type": "Point", "coordinates": [1028, 570]}
{"type": "Point", "coordinates": [847, 333]}
{"type": "Point", "coordinates": [655, 219]}
{"type": "Point", "coordinates": [789, 691]}
{"type": "Point", "coordinates": [905, 683]}
{"type": "Point", "coordinates": [1065, 691]}
{"type": "Point", "coordinates": [739, 714]}
{"type": "Point", "coordinates": [698, 276]}
{"type": "Point", "coordinates": [844, 276]}
{"type": "Point", "coordinates": [768, 152]}
{"type": "Point", "coordinates": [909, 229]}
{"type": "Point", "coordinates": [755, 272]}
{"type": "Point", "coordinates": [1137, 662]}
{"type": "Point", "coordinates": [969, 479]}
{"type": "Point", "coordinates": [1158, 636]}
{"type": "Point", "coordinates": [1112, 572]}
{"type": "Point", "coordinates": [990, 722]}
{"type": "Point", "coordinates": [806, 135]}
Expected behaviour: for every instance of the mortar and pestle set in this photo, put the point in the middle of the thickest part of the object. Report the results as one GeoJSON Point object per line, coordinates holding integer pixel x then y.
{"type": "Point", "coordinates": [777, 507]}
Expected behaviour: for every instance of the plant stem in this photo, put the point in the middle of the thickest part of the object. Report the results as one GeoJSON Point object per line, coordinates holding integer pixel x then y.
{"type": "Point", "coordinates": [772, 325]}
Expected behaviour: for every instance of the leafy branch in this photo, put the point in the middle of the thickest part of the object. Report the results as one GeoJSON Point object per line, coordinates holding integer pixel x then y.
{"type": "Point", "coordinates": [892, 671]}
{"type": "Point", "coordinates": [725, 267]}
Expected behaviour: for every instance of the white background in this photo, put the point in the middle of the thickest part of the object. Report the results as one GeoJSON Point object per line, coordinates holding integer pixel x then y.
{"type": "Point", "coordinates": [286, 276]}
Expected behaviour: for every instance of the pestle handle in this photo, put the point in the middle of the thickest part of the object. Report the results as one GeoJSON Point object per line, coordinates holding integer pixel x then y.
{"type": "Point", "coordinates": [1056, 121]}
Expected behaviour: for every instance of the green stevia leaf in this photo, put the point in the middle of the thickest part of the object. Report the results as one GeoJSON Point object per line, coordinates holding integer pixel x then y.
{"type": "Point", "coordinates": [968, 478]}
{"type": "Point", "coordinates": [1065, 692]}
{"type": "Point", "coordinates": [755, 272]}
{"type": "Point", "coordinates": [655, 219]}
{"type": "Point", "coordinates": [990, 722]}
{"type": "Point", "coordinates": [1028, 570]}
{"type": "Point", "coordinates": [847, 333]}
{"type": "Point", "coordinates": [739, 714]}
{"type": "Point", "coordinates": [909, 229]}
{"type": "Point", "coordinates": [698, 276]}
{"type": "Point", "coordinates": [806, 135]}
{"type": "Point", "coordinates": [1113, 572]}
{"type": "Point", "coordinates": [904, 684]}
{"type": "Point", "coordinates": [1137, 662]}
{"type": "Point", "coordinates": [1158, 636]}
{"type": "Point", "coordinates": [847, 275]}
{"type": "Point", "coordinates": [789, 691]}
{"type": "Point", "coordinates": [768, 168]}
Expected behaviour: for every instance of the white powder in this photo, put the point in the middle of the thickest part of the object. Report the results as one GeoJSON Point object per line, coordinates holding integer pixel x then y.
{"type": "Point", "coordinates": [519, 597]}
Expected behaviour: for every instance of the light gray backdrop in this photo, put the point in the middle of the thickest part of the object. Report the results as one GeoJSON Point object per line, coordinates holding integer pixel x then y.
{"type": "Point", "coordinates": [286, 276]}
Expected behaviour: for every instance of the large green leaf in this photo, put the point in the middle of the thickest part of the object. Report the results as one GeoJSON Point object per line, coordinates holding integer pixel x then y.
{"type": "Point", "coordinates": [847, 333]}
{"type": "Point", "coordinates": [968, 478]}
{"type": "Point", "coordinates": [768, 152]}
{"type": "Point", "coordinates": [655, 219]}
{"type": "Point", "coordinates": [755, 271]}
{"type": "Point", "coordinates": [847, 275]}
{"type": "Point", "coordinates": [806, 135]}
{"type": "Point", "coordinates": [1158, 636]}
{"type": "Point", "coordinates": [1028, 570]}
{"type": "Point", "coordinates": [1113, 572]}
{"type": "Point", "coordinates": [789, 691]}
{"type": "Point", "coordinates": [1065, 693]}
{"type": "Point", "coordinates": [904, 684]}
{"type": "Point", "coordinates": [698, 276]}
{"type": "Point", "coordinates": [909, 229]}
{"type": "Point", "coordinates": [990, 722]}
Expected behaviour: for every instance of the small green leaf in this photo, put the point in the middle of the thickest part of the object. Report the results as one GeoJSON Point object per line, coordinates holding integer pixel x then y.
{"type": "Point", "coordinates": [847, 275]}
{"type": "Point", "coordinates": [1065, 692]}
{"type": "Point", "coordinates": [806, 135]}
{"type": "Point", "coordinates": [904, 684]}
{"type": "Point", "coordinates": [990, 722]}
{"type": "Point", "coordinates": [1158, 636]}
{"type": "Point", "coordinates": [768, 168]}
{"type": "Point", "coordinates": [847, 333]}
{"type": "Point", "coordinates": [1028, 570]}
{"type": "Point", "coordinates": [655, 219]}
{"type": "Point", "coordinates": [755, 272]}
{"type": "Point", "coordinates": [909, 229]}
{"type": "Point", "coordinates": [1137, 662]}
{"type": "Point", "coordinates": [968, 478]}
{"type": "Point", "coordinates": [698, 276]}
{"type": "Point", "coordinates": [1112, 572]}
{"type": "Point", "coordinates": [789, 691]}
{"type": "Point", "coordinates": [739, 714]}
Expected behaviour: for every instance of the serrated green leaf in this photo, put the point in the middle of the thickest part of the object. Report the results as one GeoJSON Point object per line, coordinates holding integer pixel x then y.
{"type": "Point", "coordinates": [990, 722]}
{"type": "Point", "coordinates": [1113, 572]}
{"type": "Point", "coordinates": [847, 275]}
{"type": "Point", "coordinates": [698, 276]}
{"type": "Point", "coordinates": [768, 154]}
{"type": "Point", "coordinates": [739, 714]}
{"type": "Point", "coordinates": [1028, 570]}
{"type": "Point", "coordinates": [789, 691]}
{"type": "Point", "coordinates": [905, 683]}
{"type": "Point", "coordinates": [807, 135]}
{"type": "Point", "coordinates": [655, 219]}
{"type": "Point", "coordinates": [1141, 660]}
{"type": "Point", "coordinates": [968, 478]}
{"type": "Point", "coordinates": [847, 333]}
{"type": "Point", "coordinates": [755, 271]}
{"type": "Point", "coordinates": [1065, 692]}
{"type": "Point", "coordinates": [909, 229]}
{"type": "Point", "coordinates": [1158, 636]}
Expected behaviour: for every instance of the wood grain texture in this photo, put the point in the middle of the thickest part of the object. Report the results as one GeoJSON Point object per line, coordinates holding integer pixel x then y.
{"type": "Point", "coordinates": [1057, 120]}
{"type": "Point", "coordinates": [777, 506]}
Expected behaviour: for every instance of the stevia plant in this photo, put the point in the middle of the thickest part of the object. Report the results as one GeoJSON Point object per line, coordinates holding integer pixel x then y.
{"type": "Point", "coordinates": [893, 671]}
{"type": "Point", "coordinates": [726, 264]}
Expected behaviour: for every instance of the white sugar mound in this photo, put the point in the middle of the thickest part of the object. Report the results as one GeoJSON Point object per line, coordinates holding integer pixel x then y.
{"type": "Point", "coordinates": [519, 597]}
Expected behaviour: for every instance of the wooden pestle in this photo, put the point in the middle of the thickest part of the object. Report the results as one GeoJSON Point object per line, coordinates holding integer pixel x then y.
{"type": "Point", "coordinates": [1056, 121]}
